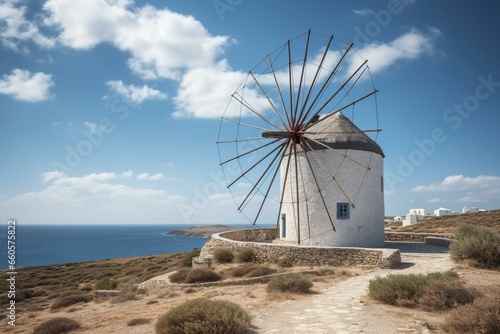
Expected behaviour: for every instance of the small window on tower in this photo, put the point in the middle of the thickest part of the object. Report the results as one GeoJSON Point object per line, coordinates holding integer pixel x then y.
{"type": "Point", "coordinates": [342, 210]}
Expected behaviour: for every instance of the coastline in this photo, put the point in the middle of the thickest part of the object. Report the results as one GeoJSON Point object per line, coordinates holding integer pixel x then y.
{"type": "Point", "coordinates": [201, 231]}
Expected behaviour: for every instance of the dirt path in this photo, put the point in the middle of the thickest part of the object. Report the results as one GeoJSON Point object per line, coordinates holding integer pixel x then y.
{"type": "Point", "coordinates": [341, 310]}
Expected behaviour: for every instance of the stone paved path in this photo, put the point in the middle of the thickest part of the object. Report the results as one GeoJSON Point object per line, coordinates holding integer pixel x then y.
{"type": "Point", "coordinates": [340, 310]}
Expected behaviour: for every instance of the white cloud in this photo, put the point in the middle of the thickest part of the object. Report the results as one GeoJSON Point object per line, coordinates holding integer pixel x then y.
{"type": "Point", "coordinates": [26, 86]}
{"type": "Point", "coordinates": [134, 93]}
{"type": "Point", "coordinates": [434, 200]}
{"type": "Point", "coordinates": [362, 12]}
{"type": "Point", "coordinates": [460, 182]}
{"type": "Point", "coordinates": [408, 46]}
{"type": "Point", "coordinates": [16, 30]}
{"type": "Point", "coordinates": [204, 93]}
{"type": "Point", "coordinates": [161, 42]}
{"type": "Point", "coordinates": [147, 176]}
{"type": "Point", "coordinates": [127, 174]}
{"type": "Point", "coordinates": [94, 198]}
{"type": "Point", "coordinates": [367, 11]}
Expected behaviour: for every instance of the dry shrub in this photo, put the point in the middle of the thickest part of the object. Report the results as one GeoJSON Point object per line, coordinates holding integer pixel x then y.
{"type": "Point", "coordinates": [56, 325]}
{"type": "Point", "coordinates": [480, 317]}
{"type": "Point", "coordinates": [194, 275]}
{"type": "Point", "coordinates": [223, 255]}
{"type": "Point", "coordinates": [70, 293]}
{"type": "Point", "coordinates": [71, 300]}
{"type": "Point", "coordinates": [128, 292]}
{"type": "Point", "coordinates": [294, 282]}
{"type": "Point", "coordinates": [394, 289]}
{"type": "Point", "coordinates": [201, 275]}
{"type": "Point", "coordinates": [138, 321]}
{"type": "Point", "coordinates": [179, 276]}
{"type": "Point", "coordinates": [444, 295]}
{"type": "Point", "coordinates": [106, 283]}
{"type": "Point", "coordinates": [150, 302]}
{"type": "Point", "coordinates": [480, 246]}
{"type": "Point", "coordinates": [202, 315]}
{"type": "Point", "coordinates": [251, 271]}
{"type": "Point", "coordinates": [245, 254]}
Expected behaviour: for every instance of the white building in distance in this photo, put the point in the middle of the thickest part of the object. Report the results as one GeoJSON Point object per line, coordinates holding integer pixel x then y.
{"type": "Point", "coordinates": [443, 212]}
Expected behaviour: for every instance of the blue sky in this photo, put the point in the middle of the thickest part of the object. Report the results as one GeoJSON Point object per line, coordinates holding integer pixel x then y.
{"type": "Point", "coordinates": [109, 109]}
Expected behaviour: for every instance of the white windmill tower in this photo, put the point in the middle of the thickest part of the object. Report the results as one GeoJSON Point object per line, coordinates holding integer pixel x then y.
{"type": "Point", "coordinates": [293, 119]}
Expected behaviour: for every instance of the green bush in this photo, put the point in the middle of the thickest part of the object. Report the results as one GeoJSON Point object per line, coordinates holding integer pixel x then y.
{"type": "Point", "coordinates": [56, 326]}
{"type": "Point", "coordinates": [223, 255]}
{"type": "Point", "coordinates": [106, 283]}
{"type": "Point", "coordinates": [202, 315]}
{"type": "Point", "coordinates": [443, 295]}
{"type": "Point", "coordinates": [480, 246]}
{"type": "Point", "coordinates": [194, 275]}
{"type": "Point", "coordinates": [393, 289]}
{"type": "Point", "coordinates": [245, 254]}
{"type": "Point", "coordinates": [480, 317]}
{"type": "Point", "coordinates": [70, 300]}
{"type": "Point", "coordinates": [296, 283]}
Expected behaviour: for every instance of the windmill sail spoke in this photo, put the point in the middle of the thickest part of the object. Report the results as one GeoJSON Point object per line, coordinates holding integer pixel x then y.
{"type": "Point", "coordinates": [238, 140]}
{"type": "Point", "coordinates": [270, 186]}
{"type": "Point", "coordinates": [246, 124]}
{"type": "Point", "coordinates": [313, 83]}
{"type": "Point", "coordinates": [297, 192]}
{"type": "Point", "coordinates": [253, 166]}
{"type": "Point", "coordinates": [248, 152]}
{"type": "Point", "coordinates": [318, 188]}
{"type": "Point", "coordinates": [325, 84]}
{"type": "Point", "coordinates": [278, 154]}
{"type": "Point", "coordinates": [244, 103]}
{"type": "Point", "coordinates": [327, 169]}
{"type": "Point", "coordinates": [269, 100]}
{"type": "Point", "coordinates": [320, 109]}
{"type": "Point", "coordinates": [335, 133]}
{"type": "Point", "coordinates": [285, 178]}
{"type": "Point", "coordinates": [280, 94]}
{"type": "Point", "coordinates": [290, 88]}
{"type": "Point", "coordinates": [344, 107]}
{"type": "Point", "coordinates": [335, 152]}
{"type": "Point", "coordinates": [304, 66]}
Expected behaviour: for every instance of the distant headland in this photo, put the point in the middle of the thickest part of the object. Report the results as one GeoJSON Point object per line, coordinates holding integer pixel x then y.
{"type": "Point", "coordinates": [203, 231]}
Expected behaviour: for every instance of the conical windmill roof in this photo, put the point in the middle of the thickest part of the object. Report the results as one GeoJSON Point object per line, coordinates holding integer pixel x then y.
{"type": "Point", "coordinates": [338, 132]}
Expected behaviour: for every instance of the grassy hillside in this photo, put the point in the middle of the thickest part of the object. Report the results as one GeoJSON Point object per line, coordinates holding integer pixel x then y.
{"type": "Point", "coordinates": [448, 224]}
{"type": "Point", "coordinates": [38, 287]}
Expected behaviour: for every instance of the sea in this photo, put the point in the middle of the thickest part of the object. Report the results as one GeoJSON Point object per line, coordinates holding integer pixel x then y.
{"type": "Point", "coordinates": [39, 245]}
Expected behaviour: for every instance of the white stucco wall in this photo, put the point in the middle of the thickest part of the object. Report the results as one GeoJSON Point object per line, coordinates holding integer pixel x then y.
{"type": "Point", "coordinates": [365, 226]}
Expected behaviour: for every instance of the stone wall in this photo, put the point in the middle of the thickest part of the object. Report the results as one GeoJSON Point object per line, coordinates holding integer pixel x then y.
{"type": "Point", "coordinates": [414, 237]}
{"type": "Point", "coordinates": [301, 255]}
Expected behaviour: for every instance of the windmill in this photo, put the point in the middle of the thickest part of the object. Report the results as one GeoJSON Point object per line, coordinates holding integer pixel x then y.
{"type": "Point", "coordinates": [292, 153]}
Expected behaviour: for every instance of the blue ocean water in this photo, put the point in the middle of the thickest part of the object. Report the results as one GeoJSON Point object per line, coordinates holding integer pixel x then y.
{"type": "Point", "coordinates": [38, 245]}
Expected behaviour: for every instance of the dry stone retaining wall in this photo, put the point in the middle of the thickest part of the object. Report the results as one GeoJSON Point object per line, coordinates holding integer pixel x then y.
{"type": "Point", "coordinates": [266, 251]}
{"type": "Point", "coordinates": [414, 237]}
